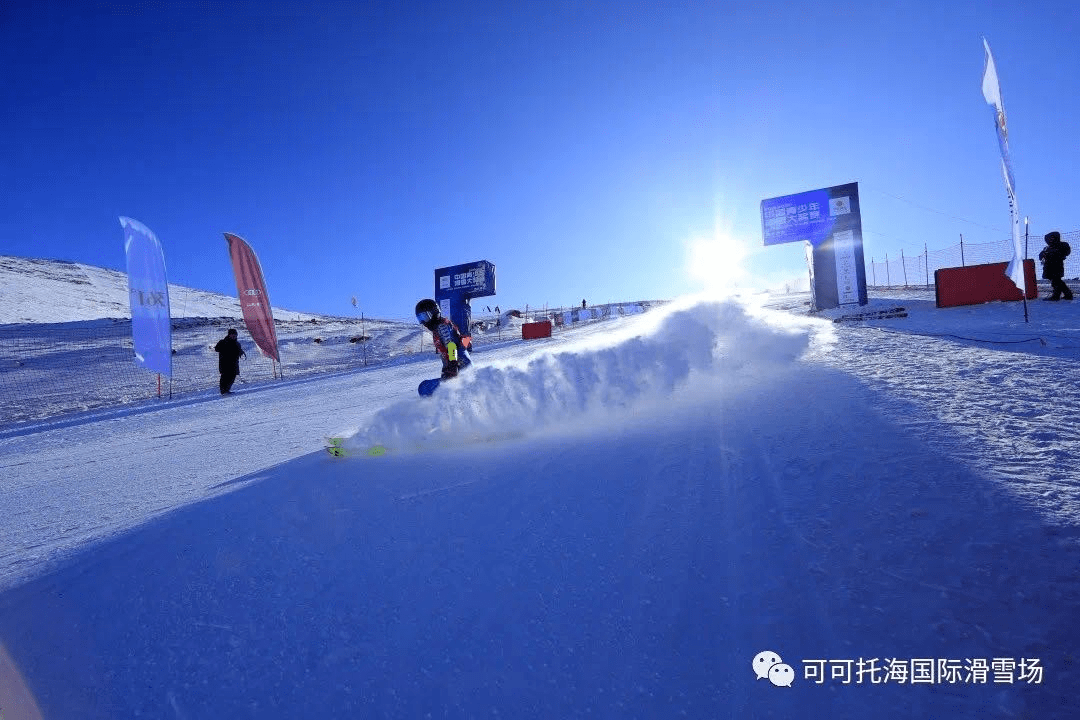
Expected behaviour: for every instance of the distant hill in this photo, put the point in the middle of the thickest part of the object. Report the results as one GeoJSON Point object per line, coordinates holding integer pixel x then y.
{"type": "Point", "coordinates": [54, 291]}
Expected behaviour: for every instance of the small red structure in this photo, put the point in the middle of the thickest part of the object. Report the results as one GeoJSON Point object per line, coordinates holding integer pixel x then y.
{"type": "Point", "coordinates": [977, 284]}
{"type": "Point", "coordinates": [534, 330]}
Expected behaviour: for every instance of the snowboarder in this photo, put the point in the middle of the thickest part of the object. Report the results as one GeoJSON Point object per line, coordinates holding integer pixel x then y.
{"type": "Point", "coordinates": [446, 336]}
{"type": "Point", "coordinates": [1053, 260]}
{"type": "Point", "coordinates": [229, 354]}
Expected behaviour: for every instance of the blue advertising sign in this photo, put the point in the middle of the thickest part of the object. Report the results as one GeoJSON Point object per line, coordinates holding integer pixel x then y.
{"type": "Point", "coordinates": [829, 221]}
{"type": "Point", "coordinates": [475, 279]}
{"type": "Point", "coordinates": [456, 285]}
{"type": "Point", "coordinates": [811, 216]}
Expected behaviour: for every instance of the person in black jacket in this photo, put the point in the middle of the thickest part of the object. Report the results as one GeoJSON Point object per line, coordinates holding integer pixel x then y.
{"type": "Point", "coordinates": [229, 354]}
{"type": "Point", "coordinates": [1053, 260]}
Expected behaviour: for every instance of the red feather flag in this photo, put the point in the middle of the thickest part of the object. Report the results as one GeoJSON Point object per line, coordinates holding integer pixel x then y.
{"type": "Point", "coordinates": [254, 300]}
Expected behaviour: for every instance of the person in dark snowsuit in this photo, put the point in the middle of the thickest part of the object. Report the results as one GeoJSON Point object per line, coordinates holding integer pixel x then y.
{"type": "Point", "coordinates": [446, 336]}
{"type": "Point", "coordinates": [229, 354]}
{"type": "Point", "coordinates": [1053, 260]}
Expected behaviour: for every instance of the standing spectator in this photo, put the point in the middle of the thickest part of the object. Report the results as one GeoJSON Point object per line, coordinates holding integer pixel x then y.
{"type": "Point", "coordinates": [583, 304]}
{"type": "Point", "coordinates": [1053, 260]}
{"type": "Point", "coordinates": [229, 354]}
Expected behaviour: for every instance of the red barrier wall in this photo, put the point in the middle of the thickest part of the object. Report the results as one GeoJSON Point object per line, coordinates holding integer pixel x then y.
{"type": "Point", "coordinates": [532, 331]}
{"type": "Point", "coordinates": [976, 284]}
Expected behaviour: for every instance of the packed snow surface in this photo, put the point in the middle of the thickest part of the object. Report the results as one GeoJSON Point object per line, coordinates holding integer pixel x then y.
{"type": "Point", "coordinates": [624, 520]}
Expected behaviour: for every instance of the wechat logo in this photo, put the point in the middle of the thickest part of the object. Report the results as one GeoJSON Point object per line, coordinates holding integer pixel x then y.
{"type": "Point", "coordinates": [768, 665]}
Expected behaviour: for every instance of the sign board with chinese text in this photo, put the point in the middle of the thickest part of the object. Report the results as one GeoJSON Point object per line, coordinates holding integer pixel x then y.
{"type": "Point", "coordinates": [475, 279]}
{"type": "Point", "coordinates": [829, 221]}
{"type": "Point", "coordinates": [457, 284]}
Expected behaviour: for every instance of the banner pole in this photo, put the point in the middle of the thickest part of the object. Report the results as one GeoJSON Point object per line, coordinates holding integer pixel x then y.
{"type": "Point", "coordinates": [1023, 268]}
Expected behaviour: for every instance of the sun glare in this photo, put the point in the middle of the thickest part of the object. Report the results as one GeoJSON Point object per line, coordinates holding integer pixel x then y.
{"type": "Point", "coordinates": [717, 262]}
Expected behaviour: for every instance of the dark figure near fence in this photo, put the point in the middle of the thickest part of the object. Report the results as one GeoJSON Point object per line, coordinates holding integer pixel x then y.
{"type": "Point", "coordinates": [229, 354]}
{"type": "Point", "coordinates": [582, 304]}
{"type": "Point", "coordinates": [1053, 260]}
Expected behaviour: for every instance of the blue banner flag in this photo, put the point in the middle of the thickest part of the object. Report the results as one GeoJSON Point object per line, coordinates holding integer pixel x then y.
{"type": "Point", "coordinates": [148, 292]}
{"type": "Point", "coordinates": [992, 94]}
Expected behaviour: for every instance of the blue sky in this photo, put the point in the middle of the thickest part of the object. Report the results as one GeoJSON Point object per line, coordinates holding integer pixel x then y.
{"type": "Point", "coordinates": [603, 150]}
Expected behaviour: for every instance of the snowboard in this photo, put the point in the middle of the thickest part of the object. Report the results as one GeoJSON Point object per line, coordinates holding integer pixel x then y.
{"type": "Point", "coordinates": [427, 387]}
{"type": "Point", "coordinates": [336, 447]}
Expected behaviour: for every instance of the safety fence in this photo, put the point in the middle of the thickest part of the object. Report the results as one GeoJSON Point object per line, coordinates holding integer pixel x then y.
{"type": "Point", "coordinates": [51, 369]}
{"type": "Point", "coordinates": [918, 270]}
{"type": "Point", "coordinates": [560, 317]}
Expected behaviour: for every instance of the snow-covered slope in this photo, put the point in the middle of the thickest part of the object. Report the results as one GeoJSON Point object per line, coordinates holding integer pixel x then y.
{"type": "Point", "coordinates": [611, 523]}
{"type": "Point", "coordinates": [55, 291]}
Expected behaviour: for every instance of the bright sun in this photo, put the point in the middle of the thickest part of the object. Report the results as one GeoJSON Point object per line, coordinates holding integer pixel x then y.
{"type": "Point", "coordinates": [717, 262]}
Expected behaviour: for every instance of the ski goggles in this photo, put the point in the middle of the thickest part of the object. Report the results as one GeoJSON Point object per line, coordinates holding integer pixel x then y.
{"type": "Point", "coordinates": [425, 316]}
